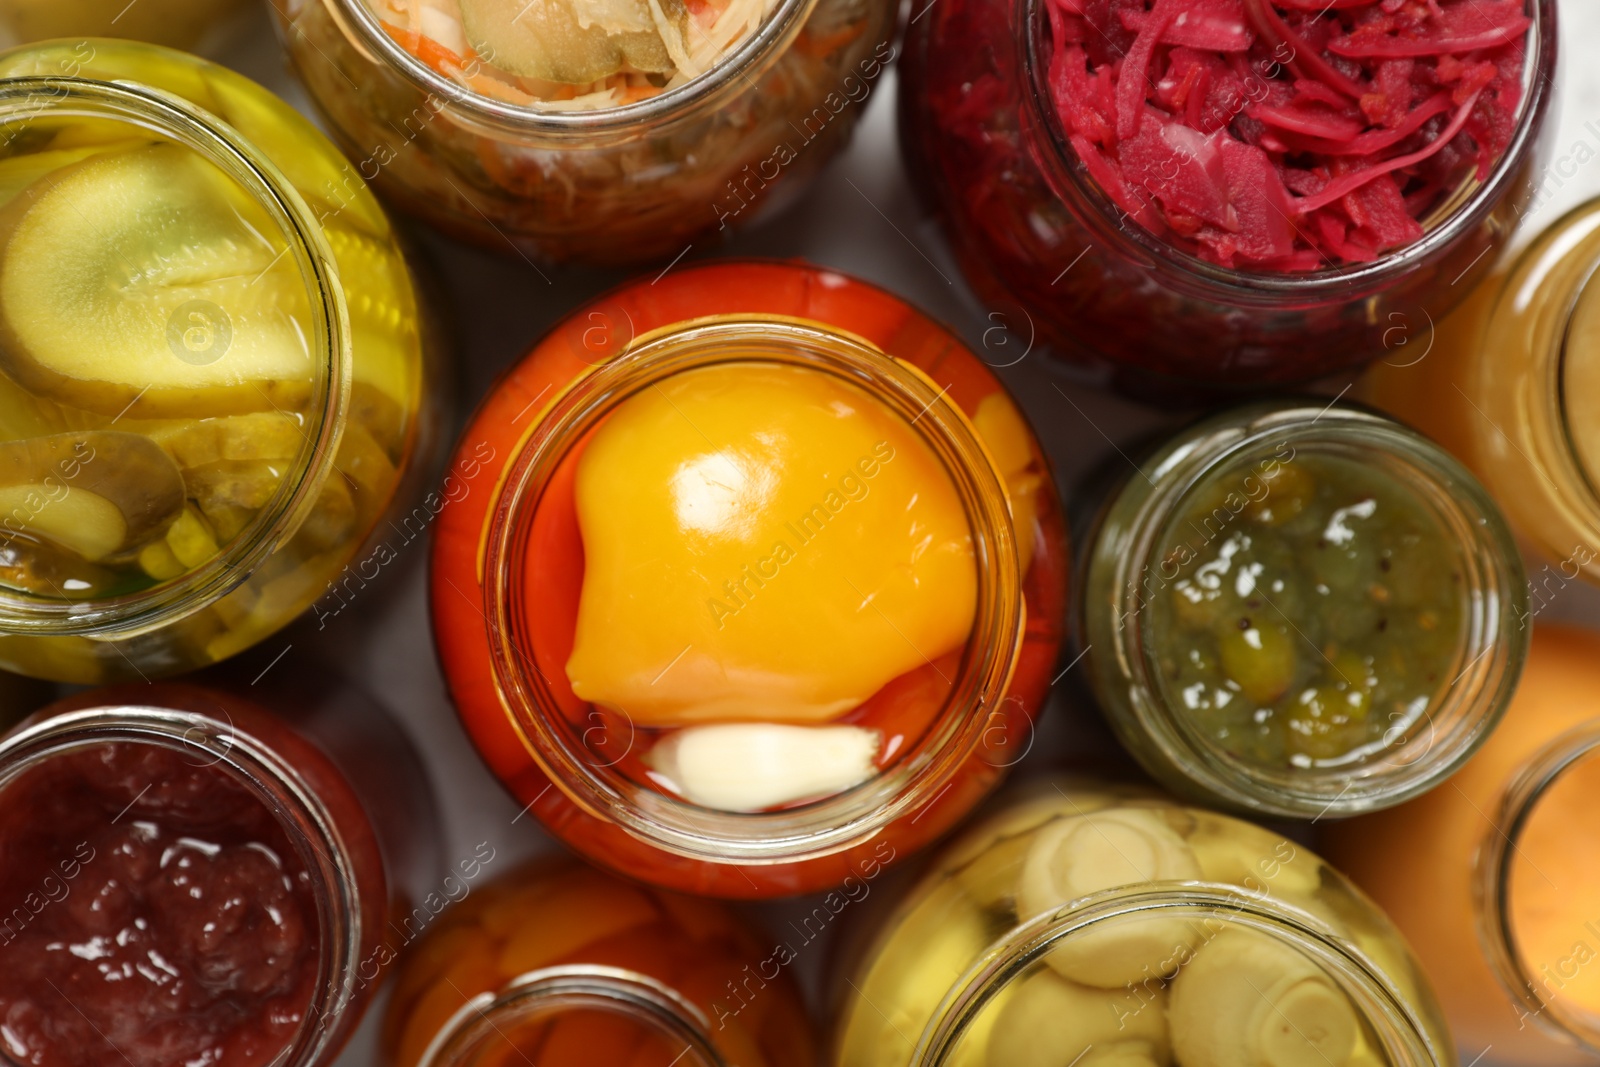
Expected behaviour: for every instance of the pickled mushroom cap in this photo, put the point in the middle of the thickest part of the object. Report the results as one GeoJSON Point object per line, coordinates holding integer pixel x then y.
{"type": "Point", "coordinates": [1085, 854]}
{"type": "Point", "coordinates": [1247, 1000]}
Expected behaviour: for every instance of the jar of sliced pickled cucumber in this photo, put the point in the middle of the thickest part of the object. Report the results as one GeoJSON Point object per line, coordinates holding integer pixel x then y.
{"type": "Point", "coordinates": [610, 132]}
{"type": "Point", "coordinates": [756, 581]}
{"type": "Point", "coordinates": [558, 964]}
{"type": "Point", "coordinates": [1508, 383]}
{"type": "Point", "coordinates": [1302, 609]}
{"type": "Point", "coordinates": [211, 362]}
{"type": "Point", "coordinates": [1099, 925]}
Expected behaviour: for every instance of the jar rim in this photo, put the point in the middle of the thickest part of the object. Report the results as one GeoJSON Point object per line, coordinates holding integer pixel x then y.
{"type": "Point", "coordinates": [649, 1002]}
{"type": "Point", "coordinates": [271, 780]}
{"type": "Point", "coordinates": [1009, 957]}
{"type": "Point", "coordinates": [924, 770]}
{"type": "Point", "coordinates": [129, 614]}
{"type": "Point", "coordinates": [1489, 662]}
{"type": "Point", "coordinates": [733, 73]}
{"type": "Point", "coordinates": [1346, 282]}
{"type": "Point", "coordinates": [1493, 871]}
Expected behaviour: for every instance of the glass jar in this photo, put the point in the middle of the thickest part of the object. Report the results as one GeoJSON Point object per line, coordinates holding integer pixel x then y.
{"type": "Point", "coordinates": [559, 964]}
{"type": "Point", "coordinates": [171, 506]}
{"type": "Point", "coordinates": [620, 185]}
{"type": "Point", "coordinates": [508, 565]}
{"type": "Point", "coordinates": [190, 875]}
{"type": "Point", "coordinates": [1111, 924]}
{"type": "Point", "coordinates": [1491, 880]}
{"type": "Point", "coordinates": [1032, 229]}
{"type": "Point", "coordinates": [1505, 384]}
{"type": "Point", "coordinates": [1302, 609]}
{"type": "Point", "coordinates": [176, 23]}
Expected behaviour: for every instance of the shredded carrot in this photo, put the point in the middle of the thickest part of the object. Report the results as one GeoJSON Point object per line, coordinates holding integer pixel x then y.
{"type": "Point", "coordinates": [816, 45]}
{"type": "Point", "coordinates": [431, 52]}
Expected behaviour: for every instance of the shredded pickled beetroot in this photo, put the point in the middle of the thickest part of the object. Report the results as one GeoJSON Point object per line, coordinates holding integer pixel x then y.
{"type": "Point", "coordinates": [1287, 135]}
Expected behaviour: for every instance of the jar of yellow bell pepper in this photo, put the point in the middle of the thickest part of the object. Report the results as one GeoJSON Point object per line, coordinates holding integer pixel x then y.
{"type": "Point", "coordinates": [560, 965]}
{"type": "Point", "coordinates": [570, 130]}
{"type": "Point", "coordinates": [211, 362]}
{"type": "Point", "coordinates": [1106, 926]}
{"type": "Point", "coordinates": [753, 580]}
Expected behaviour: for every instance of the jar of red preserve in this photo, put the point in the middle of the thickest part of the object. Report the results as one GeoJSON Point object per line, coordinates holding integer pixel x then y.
{"type": "Point", "coordinates": [186, 877]}
{"type": "Point", "coordinates": [757, 581]}
{"type": "Point", "coordinates": [1225, 193]}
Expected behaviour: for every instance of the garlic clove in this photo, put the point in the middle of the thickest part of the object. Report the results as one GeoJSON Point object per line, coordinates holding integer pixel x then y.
{"type": "Point", "coordinates": [1051, 1022]}
{"type": "Point", "coordinates": [1246, 1000]}
{"type": "Point", "coordinates": [1088, 853]}
{"type": "Point", "coordinates": [756, 766]}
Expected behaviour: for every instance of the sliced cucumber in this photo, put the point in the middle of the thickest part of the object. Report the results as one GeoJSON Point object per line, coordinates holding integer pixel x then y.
{"type": "Point", "coordinates": [100, 494]}
{"type": "Point", "coordinates": [575, 42]}
{"type": "Point", "coordinates": [263, 435]}
{"type": "Point", "coordinates": [142, 283]}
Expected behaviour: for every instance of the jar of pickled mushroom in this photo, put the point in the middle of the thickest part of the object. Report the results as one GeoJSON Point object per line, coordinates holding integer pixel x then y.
{"type": "Point", "coordinates": [561, 965]}
{"type": "Point", "coordinates": [1302, 609]}
{"type": "Point", "coordinates": [1507, 384]}
{"type": "Point", "coordinates": [177, 23]}
{"type": "Point", "coordinates": [1492, 880]}
{"type": "Point", "coordinates": [192, 878]}
{"type": "Point", "coordinates": [211, 363]}
{"type": "Point", "coordinates": [1225, 193]}
{"type": "Point", "coordinates": [1103, 925]}
{"type": "Point", "coordinates": [755, 580]}
{"type": "Point", "coordinates": [609, 132]}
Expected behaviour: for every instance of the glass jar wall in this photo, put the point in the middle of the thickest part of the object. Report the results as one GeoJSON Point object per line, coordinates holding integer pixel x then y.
{"type": "Point", "coordinates": [1107, 924]}
{"type": "Point", "coordinates": [211, 362]}
{"type": "Point", "coordinates": [1492, 879]}
{"type": "Point", "coordinates": [1507, 383]}
{"type": "Point", "coordinates": [755, 577]}
{"type": "Point", "coordinates": [561, 965]}
{"type": "Point", "coordinates": [1302, 609]}
{"type": "Point", "coordinates": [1042, 229]}
{"type": "Point", "coordinates": [189, 876]}
{"type": "Point", "coordinates": [176, 23]}
{"type": "Point", "coordinates": [642, 174]}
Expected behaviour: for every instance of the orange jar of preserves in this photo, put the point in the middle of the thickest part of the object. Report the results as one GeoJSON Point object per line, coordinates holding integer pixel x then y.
{"type": "Point", "coordinates": [755, 577]}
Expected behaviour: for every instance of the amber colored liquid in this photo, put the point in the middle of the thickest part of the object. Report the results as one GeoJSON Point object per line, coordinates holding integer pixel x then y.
{"type": "Point", "coordinates": [1510, 384]}
{"type": "Point", "coordinates": [563, 913]}
{"type": "Point", "coordinates": [1417, 861]}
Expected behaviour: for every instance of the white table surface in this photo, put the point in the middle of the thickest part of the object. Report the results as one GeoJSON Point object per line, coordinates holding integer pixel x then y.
{"type": "Point", "coordinates": [859, 217]}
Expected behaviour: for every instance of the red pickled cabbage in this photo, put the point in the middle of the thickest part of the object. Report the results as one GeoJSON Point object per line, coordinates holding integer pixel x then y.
{"type": "Point", "coordinates": [1287, 135]}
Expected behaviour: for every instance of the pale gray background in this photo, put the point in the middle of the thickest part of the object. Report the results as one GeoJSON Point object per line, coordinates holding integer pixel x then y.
{"type": "Point", "coordinates": [860, 217]}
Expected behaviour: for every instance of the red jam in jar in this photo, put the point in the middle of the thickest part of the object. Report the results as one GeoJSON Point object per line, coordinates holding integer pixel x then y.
{"type": "Point", "coordinates": [179, 925]}
{"type": "Point", "coordinates": [189, 879]}
{"type": "Point", "coordinates": [755, 579]}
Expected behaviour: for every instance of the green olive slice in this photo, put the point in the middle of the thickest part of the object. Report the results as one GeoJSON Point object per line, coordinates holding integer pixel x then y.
{"type": "Point", "coordinates": [141, 283]}
{"type": "Point", "coordinates": [576, 42]}
{"type": "Point", "coordinates": [100, 494]}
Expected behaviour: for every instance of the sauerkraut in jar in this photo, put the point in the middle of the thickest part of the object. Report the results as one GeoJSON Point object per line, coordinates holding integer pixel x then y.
{"type": "Point", "coordinates": [593, 131]}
